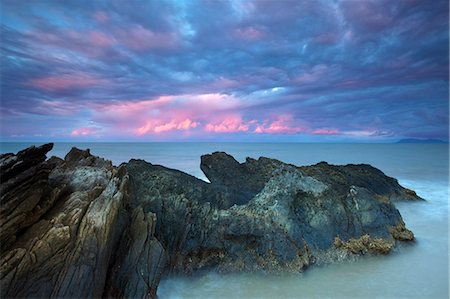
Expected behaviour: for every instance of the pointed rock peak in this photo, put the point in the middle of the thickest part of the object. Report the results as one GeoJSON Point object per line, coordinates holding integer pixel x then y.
{"type": "Point", "coordinates": [11, 165]}
{"type": "Point", "coordinates": [221, 168]}
{"type": "Point", "coordinates": [35, 151]}
{"type": "Point", "coordinates": [85, 158]}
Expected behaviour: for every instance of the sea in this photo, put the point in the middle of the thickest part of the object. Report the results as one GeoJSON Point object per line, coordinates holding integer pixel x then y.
{"type": "Point", "coordinates": [417, 270]}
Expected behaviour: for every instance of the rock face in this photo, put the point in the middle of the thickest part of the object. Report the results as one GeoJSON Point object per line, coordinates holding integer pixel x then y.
{"type": "Point", "coordinates": [61, 224]}
{"type": "Point", "coordinates": [276, 216]}
{"type": "Point", "coordinates": [80, 227]}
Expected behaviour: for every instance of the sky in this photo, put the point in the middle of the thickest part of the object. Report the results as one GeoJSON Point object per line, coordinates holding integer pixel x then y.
{"type": "Point", "coordinates": [301, 71]}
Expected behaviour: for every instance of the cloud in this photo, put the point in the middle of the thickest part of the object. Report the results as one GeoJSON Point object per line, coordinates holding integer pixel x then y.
{"type": "Point", "coordinates": [65, 81]}
{"type": "Point", "coordinates": [249, 33]}
{"type": "Point", "coordinates": [158, 127]}
{"type": "Point", "coordinates": [228, 125]}
{"type": "Point", "coordinates": [325, 132]}
{"type": "Point", "coordinates": [84, 132]}
{"type": "Point", "coordinates": [338, 69]}
{"type": "Point", "coordinates": [282, 125]}
{"type": "Point", "coordinates": [140, 38]}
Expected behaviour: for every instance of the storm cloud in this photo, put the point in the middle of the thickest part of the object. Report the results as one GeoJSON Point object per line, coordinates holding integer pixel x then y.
{"type": "Point", "coordinates": [345, 70]}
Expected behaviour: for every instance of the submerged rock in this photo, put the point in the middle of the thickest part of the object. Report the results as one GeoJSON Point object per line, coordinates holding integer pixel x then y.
{"type": "Point", "coordinates": [80, 227]}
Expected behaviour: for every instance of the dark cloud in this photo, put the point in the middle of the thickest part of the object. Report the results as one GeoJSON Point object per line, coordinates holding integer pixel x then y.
{"type": "Point", "coordinates": [349, 68]}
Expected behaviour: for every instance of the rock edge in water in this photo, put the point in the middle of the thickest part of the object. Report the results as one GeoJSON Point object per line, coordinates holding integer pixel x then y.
{"type": "Point", "coordinates": [81, 227]}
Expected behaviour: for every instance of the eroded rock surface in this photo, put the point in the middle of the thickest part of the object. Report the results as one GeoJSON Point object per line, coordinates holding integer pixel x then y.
{"type": "Point", "coordinates": [71, 217]}
{"type": "Point", "coordinates": [276, 216]}
{"type": "Point", "coordinates": [80, 227]}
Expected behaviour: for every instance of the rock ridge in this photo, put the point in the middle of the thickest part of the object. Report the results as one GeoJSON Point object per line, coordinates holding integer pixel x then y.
{"type": "Point", "coordinates": [81, 227]}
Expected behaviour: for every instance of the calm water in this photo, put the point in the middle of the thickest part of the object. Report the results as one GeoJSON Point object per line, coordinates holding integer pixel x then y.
{"type": "Point", "coordinates": [417, 271]}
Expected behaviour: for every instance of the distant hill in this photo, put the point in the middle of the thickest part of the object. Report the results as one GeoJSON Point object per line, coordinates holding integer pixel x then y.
{"type": "Point", "coordinates": [415, 140]}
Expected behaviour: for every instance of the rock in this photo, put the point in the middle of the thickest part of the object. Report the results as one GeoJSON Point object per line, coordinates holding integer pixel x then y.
{"type": "Point", "coordinates": [80, 227]}
{"type": "Point", "coordinates": [25, 194]}
{"type": "Point", "coordinates": [361, 175]}
{"type": "Point", "coordinates": [11, 165]}
{"type": "Point", "coordinates": [401, 233]}
{"type": "Point", "coordinates": [283, 217]}
{"type": "Point", "coordinates": [66, 250]}
{"type": "Point", "coordinates": [140, 262]}
{"type": "Point", "coordinates": [243, 180]}
{"type": "Point", "coordinates": [365, 244]}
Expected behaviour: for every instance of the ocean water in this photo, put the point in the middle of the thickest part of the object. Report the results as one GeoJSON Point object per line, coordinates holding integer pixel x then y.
{"type": "Point", "coordinates": [419, 270]}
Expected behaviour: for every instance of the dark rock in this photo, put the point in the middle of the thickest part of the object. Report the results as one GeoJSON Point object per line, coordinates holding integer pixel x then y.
{"type": "Point", "coordinates": [67, 251]}
{"type": "Point", "coordinates": [80, 227]}
{"type": "Point", "coordinates": [244, 180]}
{"type": "Point", "coordinates": [25, 194]}
{"type": "Point", "coordinates": [11, 165]}
{"type": "Point", "coordinates": [140, 260]}
{"type": "Point", "coordinates": [284, 217]}
{"type": "Point", "coordinates": [362, 175]}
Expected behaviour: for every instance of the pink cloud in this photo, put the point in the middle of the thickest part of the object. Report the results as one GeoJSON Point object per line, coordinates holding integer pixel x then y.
{"type": "Point", "coordinates": [140, 38]}
{"type": "Point", "coordinates": [372, 15]}
{"type": "Point", "coordinates": [283, 125]}
{"type": "Point", "coordinates": [100, 39]}
{"type": "Point", "coordinates": [84, 132]}
{"type": "Point", "coordinates": [228, 125]}
{"type": "Point", "coordinates": [327, 38]}
{"type": "Point", "coordinates": [92, 43]}
{"type": "Point", "coordinates": [249, 33]}
{"type": "Point", "coordinates": [211, 113]}
{"type": "Point", "coordinates": [155, 126]}
{"type": "Point", "coordinates": [325, 132]}
{"type": "Point", "coordinates": [65, 81]}
{"type": "Point", "coordinates": [172, 113]}
{"type": "Point", "coordinates": [222, 84]}
{"type": "Point", "coordinates": [314, 75]}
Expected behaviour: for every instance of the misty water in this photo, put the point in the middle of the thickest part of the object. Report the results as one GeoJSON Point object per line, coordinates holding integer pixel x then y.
{"type": "Point", "coordinates": [418, 270]}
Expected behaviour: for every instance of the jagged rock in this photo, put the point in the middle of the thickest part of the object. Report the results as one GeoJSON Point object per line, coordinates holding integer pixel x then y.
{"type": "Point", "coordinates": [67, 251]}
{"type": "Point", "coordinates": [80, 227]}
{"type": "Point", "coordinates": [25, 195]}
{"type": "Point", "coordinates": [244, 180]}
{"type": "Point", "coordinates": [361, 175]}
{"type": "Point", "coordinates": [140, 260]}
{"type": "Point", "coordinates": [282, 216]}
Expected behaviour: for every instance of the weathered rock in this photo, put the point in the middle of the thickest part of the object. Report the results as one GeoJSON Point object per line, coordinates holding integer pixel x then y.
{"type": "Point", "coordinates": [244, 180]}
{"type": "Point", "coordinates": [278, 217]}
{"type": "Point", "coordinates": [140, 260]}
{"type": "Point", "coordinates": [25, 194]}
{"type": "Point", "coordinates": [66, 250]}
{"type": "Point", "coordinates": [341, 177]}
{"type": "Point", "coordinates": [365, 244]}
{"type": "Point", "coordinates": [80, 227]}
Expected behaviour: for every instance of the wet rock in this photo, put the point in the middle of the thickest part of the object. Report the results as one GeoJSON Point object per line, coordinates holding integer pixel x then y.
{"type": "Point", "coordinates": [283, 217]}
{"type": "Point", "coordinates": [80, 227]}
{"type": "Point", "coordinates": [365, 244]}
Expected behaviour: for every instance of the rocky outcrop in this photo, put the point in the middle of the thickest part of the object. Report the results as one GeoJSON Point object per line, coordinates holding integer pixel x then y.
{"type": "Point", "coordinates": [80, 227]}
{"type": "Point", "coordinates": [140, 260]}
{"type": "Point", "coordinates": [25, 195]}
{"type": "Point", "coordinates": [276, 216]}
{"type": "Point", "coordinates": [63, 220]}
